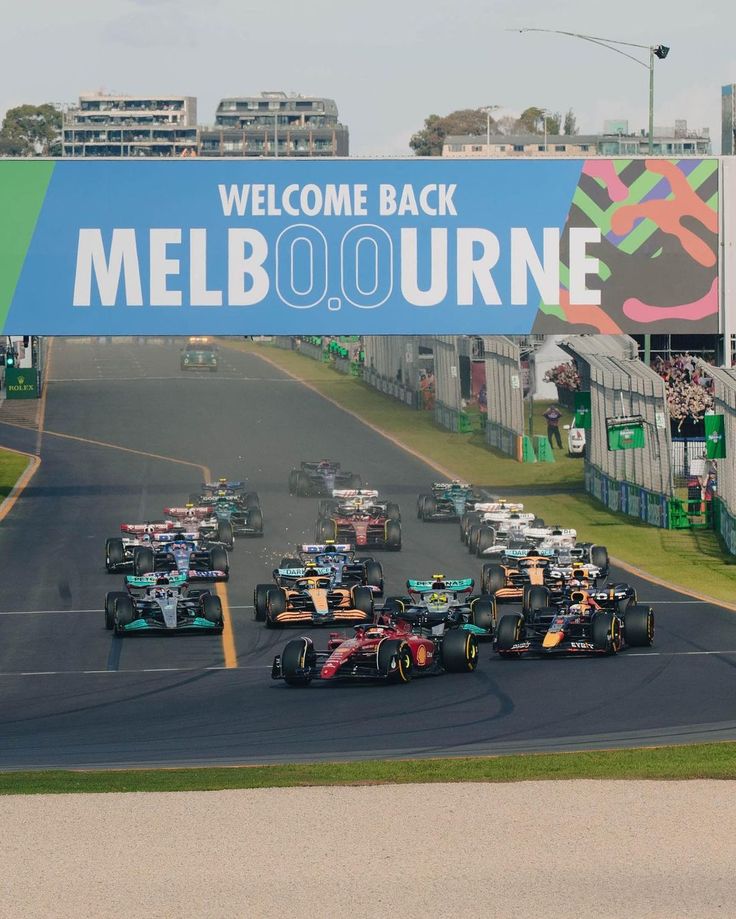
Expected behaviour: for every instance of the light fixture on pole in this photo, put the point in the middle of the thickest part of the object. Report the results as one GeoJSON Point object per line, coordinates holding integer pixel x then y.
{"type": "Point", "coordinates": [655, 51]}
{"type": "Point", "coordinates": [488, 109]}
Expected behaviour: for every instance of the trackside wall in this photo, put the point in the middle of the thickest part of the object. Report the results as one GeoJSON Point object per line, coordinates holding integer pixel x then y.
{"type": "Point", "coordinates": [505, 424]}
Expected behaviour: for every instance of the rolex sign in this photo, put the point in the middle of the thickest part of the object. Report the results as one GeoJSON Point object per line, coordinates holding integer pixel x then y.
{"type": "Point", "coordinates": [21, 383]}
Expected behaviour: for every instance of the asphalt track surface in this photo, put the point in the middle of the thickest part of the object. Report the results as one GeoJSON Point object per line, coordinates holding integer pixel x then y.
{"type": "Point", "coordinates": [73, 695]}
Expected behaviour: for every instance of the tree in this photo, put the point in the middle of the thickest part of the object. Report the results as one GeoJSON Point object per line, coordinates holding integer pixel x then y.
{"type": "Point", "coordinates": [429, 141]}
{"type": "Point", "coordinates": [31, 130]}
{"type": "Point", "coordinates": [571, 123]}
{"type": "Point", "coordinates": [531, 121]}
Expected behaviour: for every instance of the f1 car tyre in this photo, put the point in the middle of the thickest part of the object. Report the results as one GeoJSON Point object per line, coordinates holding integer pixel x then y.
{"type": "Point", "coordinates": [420, 506]}
{"type": "Point", "coordinates": [459, 651]}
{"type": "Point", "coordinates": [599, 557]}
{"type": "Point", "coordinates": [374, 575]}
{"type": "Point", "coordinates": [219, 560]}
{"type": "Point", "coordinates": [293, 479]}
{"type": "Point", "coordinates": [639, 626]}
{"type": "Point", "coordinates": [275, 604]}
{"type": "Point", "coordinates": [251, 499]}
{"type": "Point", "coordinates": [393, 512]}
{"type": "Point", "coordinates": [255, 519]}
{"type": "Point", "coordinates": [538, 522]}
{"type": "Point", "coordinates": [363, 600]}
{"type": "Point", "coordinates": [486, 539]}
{"type": "Point", "coordinates": [535, 597]}
{"type": "Point", "coordinates": [212, 610]}
{"type": "Point", "coordinates": [295, 658]}
{"type": "Point", "coordinates": [111, 598]}
{"type": "Point", "coordinates": [510, 629]}
{"type": "Point", "coordinates": [260, 601]}
{"type": "Point", "coordinates": [395, 661]}
{"type": "Point", "coordinates": [302, 485]}
{"type": "Point", "coordinates": [143, 561]}
{"type": "Point", "coordinates": [483, 613]}
{"type": "Point", "coordinates": [394, 606]}
{"type": "Point", "coordinates": [393, 535]}
{"type": "Point", "coordinates": [325, 529]}
{"type": "Point", "coordinates": [355, 481]}
{"type": "Point", "coordinates": [605, 629]}
{"type": "Point", "coordinates": [225, 533]}
{"type": "Point", "coordinates": [492, 578]}
{"type": "Point", "coordinates": [473, 533]}
{"type": "Point", "coordinates": [429, 507]}
{"type": "Point", "coordinates": [124, 612]}
{"type": "Point", "coordinates": [114, 552]}
{"type": "Point", "coordinates": [467, 520]}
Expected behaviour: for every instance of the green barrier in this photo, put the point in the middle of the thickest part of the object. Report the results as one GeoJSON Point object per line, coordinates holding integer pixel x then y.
{"type": "Point", "coordinates": [527, 450]}
{"type": "Point", "coordinates": [544, 450]}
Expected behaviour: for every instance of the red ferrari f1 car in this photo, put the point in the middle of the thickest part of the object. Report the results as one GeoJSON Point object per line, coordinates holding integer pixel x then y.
{"type": "Point", "coordinates": [389, 651]}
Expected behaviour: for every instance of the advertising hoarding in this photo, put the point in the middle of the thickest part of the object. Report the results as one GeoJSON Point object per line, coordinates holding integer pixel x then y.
{"type": "Point", "coordinates": [429, 246]}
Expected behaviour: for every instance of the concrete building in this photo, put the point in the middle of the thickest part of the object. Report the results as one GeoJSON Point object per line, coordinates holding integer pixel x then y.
{"type": "Point", "coordinates": [728, 119]}
{"type": "Point", "coordinates": [116, 125]}
{"type": "Point", "coordinates": [275, 124]}
{"type": "Point", "coordinates": [675, 141]}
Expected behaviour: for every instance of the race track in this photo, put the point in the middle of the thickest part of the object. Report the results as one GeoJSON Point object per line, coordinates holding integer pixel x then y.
{"type": "Point", "coordinates": [125, 434]}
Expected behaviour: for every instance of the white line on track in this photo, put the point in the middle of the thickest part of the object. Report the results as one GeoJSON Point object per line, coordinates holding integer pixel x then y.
{"type": "Point", "coordinates": [626, 656]}
{"type": "Point", "coordinates": [121, 672]}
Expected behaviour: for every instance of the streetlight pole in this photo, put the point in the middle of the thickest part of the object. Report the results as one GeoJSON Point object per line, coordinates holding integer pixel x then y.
{"type": "Point", "coordinates": [488, 109]}
{"type": "Point", "coordinates": [658, 51]}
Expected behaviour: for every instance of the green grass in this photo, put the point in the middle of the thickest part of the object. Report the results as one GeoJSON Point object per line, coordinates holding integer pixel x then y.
{"type": "Point", "coordinates": [693, 560]}
{"type": "Point", "coordinates": [11, 468]}
{"type": "Point", "coordinates": [698, 761]}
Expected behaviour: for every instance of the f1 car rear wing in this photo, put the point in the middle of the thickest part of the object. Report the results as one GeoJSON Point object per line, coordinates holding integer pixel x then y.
{"type": "Point", "coordinates": [524, 553]}
{"type": "Point", "coordinates": [215, 486]}
{"type": "Point", "coordinates": [321, 548]}
{"type": "Point", "coordinates": [155, 580]}
{"type": "Point", "coordinates": [151, 529]}
{"type": "Point", "coordinates": [495, 507]}
{"type": "Point", "coordinates": [301, 572]}
{"type": "Point", "coordinates": [179, 536]}
{"type": "Point", "coordinates": [443, 486]}
{"type": "Point", "coordinates": [464, 585]}
{"type": "Point", "coordinates": [191, 513]}
{"type": "Point", "coordinates": [354, 493]}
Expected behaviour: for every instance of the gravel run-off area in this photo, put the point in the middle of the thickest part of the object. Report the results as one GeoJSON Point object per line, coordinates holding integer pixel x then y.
{"type": "Point", "coordinates": [532, 849]}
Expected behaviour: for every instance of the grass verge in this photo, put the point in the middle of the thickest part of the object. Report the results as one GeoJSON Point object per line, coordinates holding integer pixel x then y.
{"type": "Point", "coordinates": [11, 468]}
{"type": "Point", "coordinates": [699, 761]}
{"type": "Point", "coordinates": [693, 560]}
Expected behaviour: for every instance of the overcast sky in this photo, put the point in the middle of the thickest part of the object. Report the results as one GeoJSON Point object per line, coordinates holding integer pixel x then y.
{"type": "Point", "coordinates": [387, 63]}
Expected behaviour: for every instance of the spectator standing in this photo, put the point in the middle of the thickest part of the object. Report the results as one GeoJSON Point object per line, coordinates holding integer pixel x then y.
{"type": "Point", "coordinates": [552, 416]}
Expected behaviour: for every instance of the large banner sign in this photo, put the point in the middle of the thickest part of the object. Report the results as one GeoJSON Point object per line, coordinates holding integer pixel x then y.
{"type": "Point", "coordinates": [120, 247]}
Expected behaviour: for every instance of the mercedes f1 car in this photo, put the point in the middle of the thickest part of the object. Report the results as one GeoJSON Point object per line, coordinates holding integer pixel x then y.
{"type": "Point", "coordinates": [162, 604]}
{"type": "Point", "coordinates": [320, 479]}
{"type": "Point", "coordinates": [580, 626]}
{"type": "Point", "coordinates": [442, 603]}
{"type": "Point", "coordinates": [358, 521]}
{"type": "Point", "coordinates": [312, 598]}
{"type": "Point", "coordinates": [392, 651]}
{"type": "Point", "coordinates": [447, 501]}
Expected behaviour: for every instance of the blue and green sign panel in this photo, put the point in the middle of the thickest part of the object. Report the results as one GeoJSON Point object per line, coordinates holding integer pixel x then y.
{"type": "Point", "coordinates": [118, 247]}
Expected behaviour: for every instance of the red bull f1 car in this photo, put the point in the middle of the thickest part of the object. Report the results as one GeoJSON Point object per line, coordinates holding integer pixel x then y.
{"type": "Point", "coordinates": [580, 626]}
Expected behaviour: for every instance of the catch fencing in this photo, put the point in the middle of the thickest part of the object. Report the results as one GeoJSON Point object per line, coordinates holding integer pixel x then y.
{"type": "Point", "coordinates": [622, 385]}
{"type": "Point", "coordinates": [504, 394]}
{"type": "Point", "coordinates": [724, 395]}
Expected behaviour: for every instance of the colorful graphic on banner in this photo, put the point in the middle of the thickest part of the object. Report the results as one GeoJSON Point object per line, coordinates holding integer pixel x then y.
{"type": "Point", "coordinates": [658, 254]}
{"type": "Point", "coordinates": [120, 247]}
